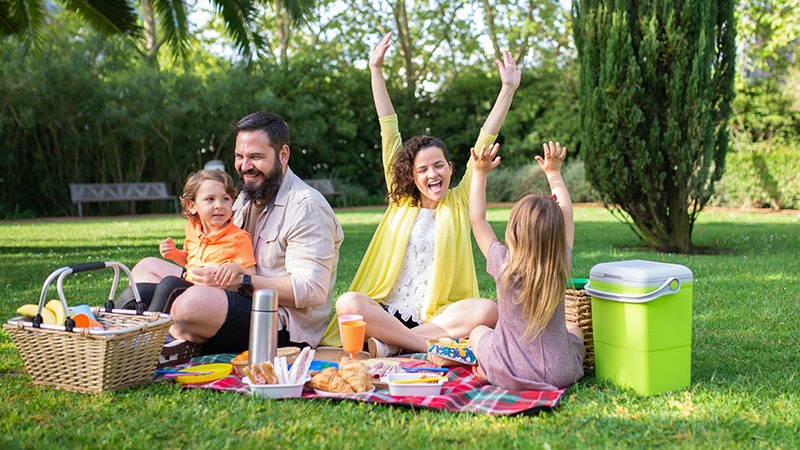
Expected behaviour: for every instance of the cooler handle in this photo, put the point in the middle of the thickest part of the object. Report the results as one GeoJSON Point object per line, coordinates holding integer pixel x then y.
{"type": "Point", "coordinates": [664, 289]}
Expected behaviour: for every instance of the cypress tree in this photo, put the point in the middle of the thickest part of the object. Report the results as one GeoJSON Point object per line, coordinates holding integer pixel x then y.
{"type": "Point", "coordinates": [656, 82]}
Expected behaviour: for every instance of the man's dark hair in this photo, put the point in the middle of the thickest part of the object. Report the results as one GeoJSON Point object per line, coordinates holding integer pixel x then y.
{"type": "Point", "coordinates": [276, 128]}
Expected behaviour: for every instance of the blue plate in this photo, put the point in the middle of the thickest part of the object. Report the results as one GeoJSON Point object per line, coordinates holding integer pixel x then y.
{"type": "Point", "coordinates": [319, 365]}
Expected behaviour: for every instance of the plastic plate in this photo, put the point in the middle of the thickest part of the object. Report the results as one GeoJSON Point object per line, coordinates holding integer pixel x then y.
{"type": "Point", "coordinates": [327, 394]}
{"type": "Point", "coordinates": [218, 370]}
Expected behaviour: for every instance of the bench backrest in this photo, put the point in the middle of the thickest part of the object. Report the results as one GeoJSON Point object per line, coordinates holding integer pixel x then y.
{"type": "Point", "coordinates": [118, 191]}
{"type": "Point", "coordinates": [323, 185]}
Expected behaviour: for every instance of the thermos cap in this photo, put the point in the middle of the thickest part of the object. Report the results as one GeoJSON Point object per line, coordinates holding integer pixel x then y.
{"type": "Point", "coordinates": [265, 300]}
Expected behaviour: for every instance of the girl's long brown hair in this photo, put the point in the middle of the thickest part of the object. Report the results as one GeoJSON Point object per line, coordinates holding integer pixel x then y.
{"type": "Point", "coordinates": [537, 265]}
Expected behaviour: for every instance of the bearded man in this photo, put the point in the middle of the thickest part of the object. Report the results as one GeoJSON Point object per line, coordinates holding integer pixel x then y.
{"type": "Point", "coordinates": [296, 239]}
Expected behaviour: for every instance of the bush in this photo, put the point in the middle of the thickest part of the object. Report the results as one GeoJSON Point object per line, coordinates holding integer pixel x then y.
{"type": "Point", "coordinates": [358, 195]}
{"type": "Point", "coordinates": [509, 184]}
{"type": "Point", "coordinates": [761, 175]}
{"type": "Point", "coordinates": [758, 176]}
{"type": "Point", "coordinates": [579, 188]}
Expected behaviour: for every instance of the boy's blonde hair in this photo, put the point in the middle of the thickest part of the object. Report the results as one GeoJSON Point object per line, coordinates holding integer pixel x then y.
{"type": "Point", "coordinates": [193, 185]}
{"type": "Point", "coordinates": [537, 266]}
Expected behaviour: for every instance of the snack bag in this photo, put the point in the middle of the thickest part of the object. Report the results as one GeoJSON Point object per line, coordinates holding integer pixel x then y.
{"type": "Point", "coordinates": [446, 352]}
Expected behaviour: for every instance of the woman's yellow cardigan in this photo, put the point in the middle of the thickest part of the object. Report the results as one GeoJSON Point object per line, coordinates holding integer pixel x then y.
{"type": "Point", "coordinates": [454, 275]}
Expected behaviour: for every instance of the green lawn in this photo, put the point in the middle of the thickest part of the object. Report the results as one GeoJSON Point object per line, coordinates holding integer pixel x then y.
{"type": "Point", "coordinates": [744, 393]}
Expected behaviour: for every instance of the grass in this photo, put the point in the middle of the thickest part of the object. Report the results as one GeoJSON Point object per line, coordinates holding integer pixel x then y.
{"type": "Point", "coordinates": [744, 390]}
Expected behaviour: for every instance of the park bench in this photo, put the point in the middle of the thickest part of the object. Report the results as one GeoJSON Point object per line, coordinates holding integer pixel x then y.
{"type": "Point", "coordinates": [325, 186]}
{"type": "Point", "coordinates": [119, 192]}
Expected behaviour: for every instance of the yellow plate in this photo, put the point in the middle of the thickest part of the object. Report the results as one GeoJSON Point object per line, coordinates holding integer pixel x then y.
{"type": "Point", "coordinates": [220, 370]}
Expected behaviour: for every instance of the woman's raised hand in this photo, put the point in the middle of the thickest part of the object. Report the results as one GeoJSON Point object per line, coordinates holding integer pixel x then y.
{"type": "Point", "coordinates": [510, 76]}
{"type": "Point", "coordinates": [509, 73]}
{"type": "Point", "coordinates": [379, 52]}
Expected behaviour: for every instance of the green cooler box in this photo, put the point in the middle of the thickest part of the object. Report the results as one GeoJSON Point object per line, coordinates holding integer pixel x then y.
{"type": "Point", "coordinates": [642, 324]}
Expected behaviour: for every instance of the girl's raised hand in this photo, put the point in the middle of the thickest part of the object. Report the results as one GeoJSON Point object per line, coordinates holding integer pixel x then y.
{"type": "Point", "coordinates": [484, 160]}
{"type": "Point", "coordinates": [379, 52]}
{"type": "Point", "coordinates": [554, 156]}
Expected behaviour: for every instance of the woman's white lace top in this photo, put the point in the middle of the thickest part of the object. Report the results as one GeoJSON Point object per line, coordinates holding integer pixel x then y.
{"type": "Point", "coordinates": [412, 282]}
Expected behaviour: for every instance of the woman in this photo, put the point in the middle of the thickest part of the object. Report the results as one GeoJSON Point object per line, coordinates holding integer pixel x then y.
{"type": "Point", "coordinates": [417, 279]}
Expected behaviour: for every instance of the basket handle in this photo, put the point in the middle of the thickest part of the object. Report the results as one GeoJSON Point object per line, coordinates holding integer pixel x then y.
{"type": "Point", "coordinates": [87, 267]}
{"type": "Point", "coordinates": [37, 320]}
{"type": "Point", "coordinates": [62, 272]}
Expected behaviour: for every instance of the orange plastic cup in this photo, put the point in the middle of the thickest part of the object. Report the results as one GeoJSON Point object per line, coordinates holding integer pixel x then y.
{"type": "Point", "coordinates": [84, 321]}
{"type": "Point", "coordinates": [352, 334]}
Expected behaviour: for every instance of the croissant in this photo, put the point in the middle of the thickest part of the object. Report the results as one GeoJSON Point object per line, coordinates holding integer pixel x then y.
{"type": "Point", "coordinates": [322, 379]}
{"type": "Point", "coordinates": [355, 373]}
{"type": "Point", "coordinates": [329, 380]}
{"type": "Point", "coordinates": [338, 384]}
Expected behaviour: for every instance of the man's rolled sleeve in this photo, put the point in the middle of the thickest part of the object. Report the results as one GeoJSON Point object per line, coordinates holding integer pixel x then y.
{"type": "Point", "coordinates": [311, 252]}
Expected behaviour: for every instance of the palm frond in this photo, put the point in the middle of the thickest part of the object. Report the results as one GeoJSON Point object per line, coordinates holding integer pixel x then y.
{"type": "Point", "coordinates": [239, 16]}
{"type": "Point", "coordinates": [174, 21]}
{"type": "Point", "coordinates": [299, 10]}
{"type": "Point", "coordinates": [106, 16]}
{"type": "Point", "coordinates": [24, 19]}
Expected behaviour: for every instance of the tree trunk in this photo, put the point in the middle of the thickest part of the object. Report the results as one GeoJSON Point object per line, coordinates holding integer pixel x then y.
{"type": "Point", "coordinates": [151, 43]}
{"type": "Point", "coordinates": [283, 24]}
{"type": "Point", "coordinates": [406, 48]}
{"type": "Point", "coordinates": [488, 10]}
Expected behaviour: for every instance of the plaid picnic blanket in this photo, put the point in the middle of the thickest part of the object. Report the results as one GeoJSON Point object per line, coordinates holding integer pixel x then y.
{"type": "Point", "coordinates": [463, 392]}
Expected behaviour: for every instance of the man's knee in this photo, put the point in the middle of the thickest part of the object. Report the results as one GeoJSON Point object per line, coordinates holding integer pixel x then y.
{"type": "Point", "coordinates": [152, 270]}
{"type": "Point", "coordinates": [199, 301]}
{"type": "Point", "coordinates": [145, 264]}
{"type": "Point", "coordinates": [184, 305]}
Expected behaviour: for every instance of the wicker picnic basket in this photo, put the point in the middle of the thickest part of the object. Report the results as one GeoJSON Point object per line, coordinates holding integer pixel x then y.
{"type": "Point", "coordinates": [87, 360]}
{"type": "Point", "coordinates": [578, 309]}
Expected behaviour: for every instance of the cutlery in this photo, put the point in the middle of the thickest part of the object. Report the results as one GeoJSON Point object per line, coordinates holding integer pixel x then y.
{"type": "Point", "coordinates": [186, 374]}
{"type": "Point", "coordinates": [169, 373]}
{"type": "Point", "coordinates": [420, 380]}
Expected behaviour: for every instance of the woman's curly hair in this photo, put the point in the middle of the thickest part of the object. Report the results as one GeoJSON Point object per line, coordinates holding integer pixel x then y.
{"type": "Point", "coordinates": [402, 168]}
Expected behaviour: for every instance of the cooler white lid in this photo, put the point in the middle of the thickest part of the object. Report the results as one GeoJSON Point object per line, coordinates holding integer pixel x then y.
{"type": "Point", "coordinates": [639, 273]}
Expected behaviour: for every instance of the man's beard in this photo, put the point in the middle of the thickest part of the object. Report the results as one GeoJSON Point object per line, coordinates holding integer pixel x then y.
{"type": "Point", "coordinates": [270, 183]}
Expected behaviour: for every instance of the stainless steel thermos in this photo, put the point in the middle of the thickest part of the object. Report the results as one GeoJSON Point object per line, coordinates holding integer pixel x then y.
{"type": "Point", "coordinates": [263, 327]}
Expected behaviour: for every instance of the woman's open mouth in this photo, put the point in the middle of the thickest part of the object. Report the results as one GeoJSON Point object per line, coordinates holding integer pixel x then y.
{"type": "Point", "coordinates": [435, 186]}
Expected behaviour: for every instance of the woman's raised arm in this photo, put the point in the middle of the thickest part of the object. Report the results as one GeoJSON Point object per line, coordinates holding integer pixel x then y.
{"type": "Point", "coordinates": [383, 104]}
{"type": "Point", "coordinates": [510, 76]}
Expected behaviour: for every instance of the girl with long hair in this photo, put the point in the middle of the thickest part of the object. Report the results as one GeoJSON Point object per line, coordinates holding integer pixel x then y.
{"type": "Point", "coordinates": [532, 347]}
